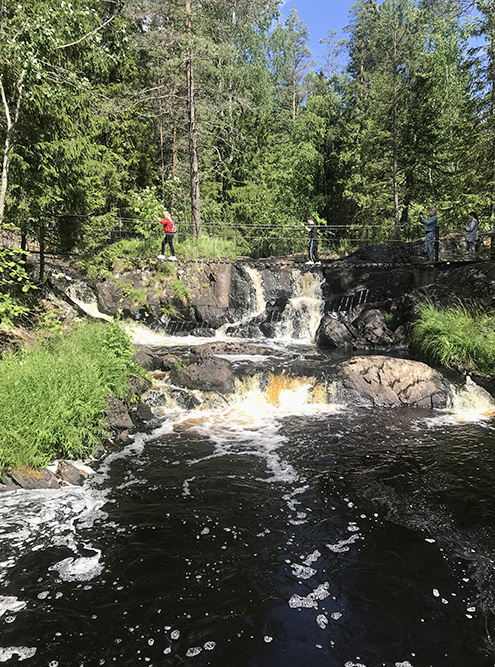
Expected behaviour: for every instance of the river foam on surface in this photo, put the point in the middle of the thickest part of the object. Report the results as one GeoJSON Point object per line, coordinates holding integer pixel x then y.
{"type": "Point", "coordinates": [275, 527]}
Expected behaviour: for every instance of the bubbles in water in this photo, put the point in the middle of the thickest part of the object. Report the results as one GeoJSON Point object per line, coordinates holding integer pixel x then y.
{"type": "Point", "coordinates": [310, 601]}
{"type": "Point", "coordinates": [322, 621]}
{"type": "Point", "coordinates": [193, 651]}
{"type": "Point", "coordinates": [79, 569]}
{"type": "Point", "coordinates": [10, 603]}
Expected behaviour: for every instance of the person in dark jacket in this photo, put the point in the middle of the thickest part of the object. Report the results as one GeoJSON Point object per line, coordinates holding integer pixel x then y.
{"type": "Point", "coordinates": [312, 229]}
{"type": "Point", "coordinates": [169, 230]}
{"type": "Point", "coordinates": [430, 225]}
{"type": "Point", "coordinates": [471, 233]}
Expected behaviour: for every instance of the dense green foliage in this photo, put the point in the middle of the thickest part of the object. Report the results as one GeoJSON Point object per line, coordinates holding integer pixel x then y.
{"type": "Point", "coordinates": [52, 398]}
{"type": "Point", "coordinates": [456, 337]}
{"type": "Point", "coordinates": [95, 121]}
{"type": "Point", "coordinates": [14, 285]}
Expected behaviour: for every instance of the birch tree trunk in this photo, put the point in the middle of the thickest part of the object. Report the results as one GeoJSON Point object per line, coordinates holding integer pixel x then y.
{"type": "Point", "coordinates": [193, 133]}
{"type": "Point", "coordinates": [10, 122]}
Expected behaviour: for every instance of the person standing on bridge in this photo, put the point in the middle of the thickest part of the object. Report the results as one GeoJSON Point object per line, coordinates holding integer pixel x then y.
{"type": "Point", "coordinates": [312, 229]}
{"type": "Point", "coordinates": [431, 224]}
{"type": "Point", "coordinates": [471, 233]}
{"type": "Point", "coordinates": [169, 229]}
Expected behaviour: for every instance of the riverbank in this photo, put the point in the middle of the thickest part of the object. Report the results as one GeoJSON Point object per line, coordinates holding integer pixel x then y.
{"type": "Point", "coordinates": [64, 396]}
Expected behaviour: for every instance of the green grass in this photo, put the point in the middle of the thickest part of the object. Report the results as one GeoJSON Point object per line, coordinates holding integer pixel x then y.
{"type": "Point", "coordinates": [456, 336]}
{"type": "Point", "coordinates": [206, 248]}
{"type": "Point", "coordinates": [180, 290]}
{"type": "Point", "coordinates": [52, 398]}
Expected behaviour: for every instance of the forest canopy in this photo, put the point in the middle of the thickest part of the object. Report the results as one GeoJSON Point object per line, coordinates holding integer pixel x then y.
{"type": "Point", "coordinates": [112, 110]}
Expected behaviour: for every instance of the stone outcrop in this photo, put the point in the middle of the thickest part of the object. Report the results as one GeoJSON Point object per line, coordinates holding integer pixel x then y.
{"type": "Point", "coordinates": [208, 373]}
{"type": "Point", "coordinates": [390, 381]}
{"type": "Point", "coordinates": [362, 329]}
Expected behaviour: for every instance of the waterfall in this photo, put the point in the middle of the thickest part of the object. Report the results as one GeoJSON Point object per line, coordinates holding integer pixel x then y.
{"type": "Point", "coordinates": [302, 315]}
{"type": "Point", "coordinates": [85, 298]}
{"type": "Point", "coordinates": [256, 304]}
{"type": "Point", "coordinates": [259, 394]}
{"type": "Point", "coordinates": [471, 403]}
{"type": "Point", "coordinates": [259, 296]}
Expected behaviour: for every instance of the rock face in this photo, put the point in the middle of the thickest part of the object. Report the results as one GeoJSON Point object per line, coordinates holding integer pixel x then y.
{"type": "Point", "coordinates": [389, 381]}
{"type": "Point", "coordinates": [32, 479]}
{"type": "Point", "coordinates": [363, 329]}
{"type": "Point", "coordinates": [208, 374]}
{"type": "Point", "coordinates": [117, 414]}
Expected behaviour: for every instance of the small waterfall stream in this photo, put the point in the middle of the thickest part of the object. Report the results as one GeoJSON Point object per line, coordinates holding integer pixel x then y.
{"type": "Point", "coordinates": [304, 311]}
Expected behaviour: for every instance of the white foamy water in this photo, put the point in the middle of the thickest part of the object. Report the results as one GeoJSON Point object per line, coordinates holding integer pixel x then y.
{"type": "Point", "coordinates": [36, 520]}
{"type": "Point", "coordinates": [22, 653]}
{"type": "Point", "coordinates": [86, 300]}
{"type": "Point", "coordinates": [471, 403]}
{"type": "Point", "coordinates": [302, 315]}
{"type": "Point", "coordinates": [250, 425]}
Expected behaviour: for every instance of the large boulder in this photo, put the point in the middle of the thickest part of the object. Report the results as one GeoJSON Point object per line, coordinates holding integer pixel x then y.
{"type": "Point", "coordinates": [335, 334]}
{"type": "Point", "coordinates": [390, 381]}
{"type": "Point", "coordinates": [365, 328]}
{"type": "Point", "coordinates": [110, 298]}
{"type": "Point", "coordinates": [117, 414]}
{"type": "Point", "coordinates": [208, 374]}
{"type": "Point", "coordinates": [26, 478]}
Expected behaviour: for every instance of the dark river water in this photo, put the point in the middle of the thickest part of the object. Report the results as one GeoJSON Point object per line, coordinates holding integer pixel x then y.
{"type": "Point", "coordinates": [291, 534]}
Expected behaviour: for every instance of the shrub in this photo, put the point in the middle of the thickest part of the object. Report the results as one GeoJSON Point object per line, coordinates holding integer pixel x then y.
{"type": "Point", "coordinates": [455, 336]}
{"type": "Point", "coordinates": [14, 285]}
{"type": "Point", "coordinates": [52, 398]}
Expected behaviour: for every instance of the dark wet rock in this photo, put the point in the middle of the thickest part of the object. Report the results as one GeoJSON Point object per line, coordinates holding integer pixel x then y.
{"type": "Point", "coordinates": [364, 328]}
{"type": "Point", "coordinates": [138, 385]}
{"type": "Point", "coordinates": [33, 479]}
{"type": "Point", "coordinates": [144, 357]}
{"type": "Point", "coordinates": [143, 412]}
{"type": "Point", "coordinates": [70, 474]}
{"type": "Point", "coordinates": [335, 334]}
{"type": "Point", "coordinates": [372, 330]}
{"type": "Point", "coordinates": [234, 347]}
{"type": "Point", "coordinates": [8, 484]}
{"type": "Point", "coordinates": [117, 414]}
{"type": "Point", "coordinates": [110, 298]}
{"type": "Point", "coordinates": [124, 437]}
{"type": "Point", "coordinates": [99, 452]}
{"type": "Point", "coordinates": [390, 381]}
{"type": "Point", "coordinates": [208, 373]}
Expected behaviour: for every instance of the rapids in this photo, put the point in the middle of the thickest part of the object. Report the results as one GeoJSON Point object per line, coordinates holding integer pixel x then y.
{"type": "Point", "coordinates": [274, 527]}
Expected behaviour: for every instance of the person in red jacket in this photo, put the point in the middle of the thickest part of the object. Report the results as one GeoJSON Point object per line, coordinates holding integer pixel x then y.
{"type": "Point", "coordinates": [169, 229]}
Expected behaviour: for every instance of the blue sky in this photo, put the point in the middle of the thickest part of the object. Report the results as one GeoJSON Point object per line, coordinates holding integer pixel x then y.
{"type": "Point", "coordinates": [320, 16]}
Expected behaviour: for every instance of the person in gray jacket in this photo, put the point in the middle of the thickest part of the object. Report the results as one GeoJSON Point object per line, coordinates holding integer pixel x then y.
{"type": "Point", "coordinates": [430, 224]}
{"type": "Point", "coordinates": [471, 233]}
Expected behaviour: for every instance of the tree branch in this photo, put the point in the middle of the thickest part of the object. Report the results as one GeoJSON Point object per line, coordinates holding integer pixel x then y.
{"type": "Point", "coordinates": [88, 34]}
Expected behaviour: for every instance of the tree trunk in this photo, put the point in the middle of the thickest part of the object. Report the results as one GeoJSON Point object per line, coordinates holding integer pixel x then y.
{"type": "Point", "coordinates": [395, 168]}
{"type": "Point", "coordinates": [193, 134]}
{"type": "Point", "coordinates": [42, 250]}
{"type": "Point", "coordinates": [11, 123]}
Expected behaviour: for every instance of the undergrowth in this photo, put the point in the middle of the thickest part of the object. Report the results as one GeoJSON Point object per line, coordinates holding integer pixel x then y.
{"type": "Point", "coordinates": [206, 247]}
{"type": "Point", "coordinates": [52, 398]}
{"type": "Point", "coordinates": [456, 336]}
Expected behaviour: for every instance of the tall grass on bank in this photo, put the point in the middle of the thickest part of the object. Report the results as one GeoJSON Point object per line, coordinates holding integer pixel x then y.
{"type": "Point", "coordinates": [455, 336]}
{"type": "Point", "coordinates": [52, 398]}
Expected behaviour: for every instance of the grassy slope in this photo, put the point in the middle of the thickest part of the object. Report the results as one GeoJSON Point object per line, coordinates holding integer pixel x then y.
{"type": "Point", "coordinates": [52, 399]}
{"type": "Point", "coordinates": [455, 336]}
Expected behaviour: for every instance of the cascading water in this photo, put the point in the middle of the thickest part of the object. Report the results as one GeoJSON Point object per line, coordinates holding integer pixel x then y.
{"type": "Point", "coordinates": [256, 303]}
{"type": "Point", "coordinates": [304, 311]}
{"type": "Point", "coordinates": [278, 525]}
